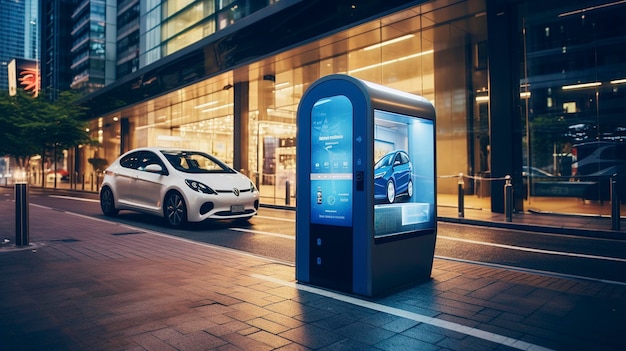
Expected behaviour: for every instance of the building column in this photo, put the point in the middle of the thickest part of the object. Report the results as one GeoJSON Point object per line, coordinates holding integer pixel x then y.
{"type": "Point", "coordinates": [504, 110]}
{"type": "Point", "coordinates": [240, 125]}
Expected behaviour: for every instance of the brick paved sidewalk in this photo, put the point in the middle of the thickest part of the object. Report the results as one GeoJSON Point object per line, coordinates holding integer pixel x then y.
{"type": "Point", "coordinates": [88, 284]}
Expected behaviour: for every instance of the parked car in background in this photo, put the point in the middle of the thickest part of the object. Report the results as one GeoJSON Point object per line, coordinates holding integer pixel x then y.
{"type": "Point", "coordinates": [598, 158]}
{"type": "Point", "coordinates": [393, 177]}
{"type": "Point", "coordinates": [178, 185]}
{"type": "Point", "coordinates": [60, 174]}
{"type": "Point", "coordinates": [597, 162]}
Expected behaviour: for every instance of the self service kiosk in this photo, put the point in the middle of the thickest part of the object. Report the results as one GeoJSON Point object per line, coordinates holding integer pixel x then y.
{"type": "Point", "coordinates": [366, 200]}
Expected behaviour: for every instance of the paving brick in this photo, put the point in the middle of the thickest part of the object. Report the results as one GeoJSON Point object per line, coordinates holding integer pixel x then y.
{"type": "Point", "coordinates": [424, 333]}
{"type": "Point", "coordinates": [196, 341]}
{"type": "Point", "coordinates": [467, 344]}
{"type": "Point", "coordinates": [311, 336]}
{"type": "Point", "coordinates": [151, 342]}
{"type": "Point", "coordinates": [401, 342]}
{"type": "Point", "coordinates": [365, 333]}
{"type": "Point", "coordinates": [334, 322]}
{"type": "Point", "coordinates": [227, 328]}
{"type": "Point", "coordinates": [348, 344]}
{"type": "Point", "coordinates": [246, 342]}
{"type": "Point", "coordinates": [270, 339]}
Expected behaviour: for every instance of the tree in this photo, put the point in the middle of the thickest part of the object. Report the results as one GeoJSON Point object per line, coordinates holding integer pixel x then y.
{"type": "Point", "coordinates": [31, 126]}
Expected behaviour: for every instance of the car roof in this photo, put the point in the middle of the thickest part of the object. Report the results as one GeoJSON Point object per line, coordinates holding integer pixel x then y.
{"type": "Point", "coordinates": [155, 148]}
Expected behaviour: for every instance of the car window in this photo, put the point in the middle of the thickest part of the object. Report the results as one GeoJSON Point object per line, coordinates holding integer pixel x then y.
{"type": "Point", "coordinates": [130, 160]}
{"type": "Point", "coordinates": [383, 162]}
{"type": "Point", "coordinates": [405, 158]}
{"type": "Point", "coordinates": [148, 158]}
{"type": "Point", "coordinates": [398, 159]}
{"type": "Point", "coordinates": [195, 162]}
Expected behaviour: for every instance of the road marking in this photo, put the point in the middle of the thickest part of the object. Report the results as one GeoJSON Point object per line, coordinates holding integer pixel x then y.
{"type": "Point", "coordinates": [528, 249]}
{"type": "Point", "coordinates": [284, 236]}
{"type": "Point", "coordinates": [73, 198]}
{"type": "Point", "coordinates": [276, 218]}
{"type": "Point", "coordinates": [459, 328]}
{"type": "Point", "coordinates": [532, 271]}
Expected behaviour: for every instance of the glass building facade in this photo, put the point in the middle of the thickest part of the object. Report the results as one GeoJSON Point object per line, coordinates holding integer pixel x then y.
{"type": "Point", "coordinates": [518, 87]}
{"type": "Point", "coordinates": [93, 45]}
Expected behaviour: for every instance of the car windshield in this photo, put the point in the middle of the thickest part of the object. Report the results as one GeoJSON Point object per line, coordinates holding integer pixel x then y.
{"type": "Point", "coordinates": [385, 161]}
{"type": "Point", "coordinates": [195, 162]}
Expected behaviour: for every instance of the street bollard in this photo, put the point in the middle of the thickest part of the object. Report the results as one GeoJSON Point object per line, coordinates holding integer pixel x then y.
{"type": "Point", "coordinates": [461, 192]}
{"type": "Point", "coordinates": [615, 204]}
{"type": "Point", "coordinates": [508, 199]}
{"type": "Point", "coordinates": [287, 193]}
{"type": "Point", "coordinates": [21, 214]}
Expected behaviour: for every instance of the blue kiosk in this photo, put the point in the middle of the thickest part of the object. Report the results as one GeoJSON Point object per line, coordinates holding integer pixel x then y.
{"type": "Point", "coordinates": [366, 220]}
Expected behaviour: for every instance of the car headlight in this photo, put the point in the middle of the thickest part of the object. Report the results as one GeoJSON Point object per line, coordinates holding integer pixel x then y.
{"type": "Point", "coordinates": [199, 187]}
{"type": "Point", "coordinates": [379, 175]}
{"type": "Point", "coordinates": [252, 187]}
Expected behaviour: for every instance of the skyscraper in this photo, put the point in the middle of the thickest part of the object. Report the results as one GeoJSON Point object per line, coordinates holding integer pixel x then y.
{"type": "Point", "coordinates": [56, 42]}
{"type": "Point", "coordinates": [19, 27]}
{"type": "Point", "coordinates": [93, 44]}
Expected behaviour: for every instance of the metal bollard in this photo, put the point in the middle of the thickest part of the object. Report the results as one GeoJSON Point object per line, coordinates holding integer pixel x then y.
{"type": "Point", "coordinates": [615, 204]}
{"type": "Point", "coordinates": [508, 199]}
{"type": "Point", "coordinates": [21, 214]}
{"type": "Point", "coordinates": [461, 192]}
{"type": "Point", "coordinates": [287, 193]}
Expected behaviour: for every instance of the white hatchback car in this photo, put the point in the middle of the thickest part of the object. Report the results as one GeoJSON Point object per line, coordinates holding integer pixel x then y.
{"type": "Point", "coordinates": [179, 185]}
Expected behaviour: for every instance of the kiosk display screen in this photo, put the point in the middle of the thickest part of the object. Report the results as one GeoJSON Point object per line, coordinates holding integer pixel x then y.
{"type": "Point", "coordinates": [331, 161]}
{"type": "Point", "coordinates": [404, 174]}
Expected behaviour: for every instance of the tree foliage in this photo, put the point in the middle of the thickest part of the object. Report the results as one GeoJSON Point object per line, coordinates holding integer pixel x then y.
{"type": "Point", "coordinates": [30, 126]}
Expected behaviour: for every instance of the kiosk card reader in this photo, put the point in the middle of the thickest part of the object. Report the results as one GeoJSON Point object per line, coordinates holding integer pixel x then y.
{"type": "Point", "coordinates": [366, 202]}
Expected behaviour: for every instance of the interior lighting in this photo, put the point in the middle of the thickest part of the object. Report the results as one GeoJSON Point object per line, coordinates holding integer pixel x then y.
{"type": "Point", "coordinates": [482, 98]}
{"type": "Point", "coordinates": [618, 81]}
{"type": "Point", "coordinates": [388, 42]}
{"type": "Point", "coordinates": [217, 108]}
{"type": "Point", "coordinates": [581, 86]}
{"type": "Point", "coordinates": [206, 104]}
{"type": "Point", "coordinates": [591, 8]}
{"type": "Point", "coordinates": [427, 52]}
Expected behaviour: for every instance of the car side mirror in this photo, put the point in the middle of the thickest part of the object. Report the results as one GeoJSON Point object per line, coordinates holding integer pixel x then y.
{"type": "Point", "coordinates": [154, 168]}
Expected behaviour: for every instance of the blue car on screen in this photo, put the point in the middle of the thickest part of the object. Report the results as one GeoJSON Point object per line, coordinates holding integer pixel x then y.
{"type": "Point", "coordinates": [392, 177]}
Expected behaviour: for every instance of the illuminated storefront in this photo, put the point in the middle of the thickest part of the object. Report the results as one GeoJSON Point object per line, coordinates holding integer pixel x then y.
{"type": "Point", "coordinates": [498, 89]}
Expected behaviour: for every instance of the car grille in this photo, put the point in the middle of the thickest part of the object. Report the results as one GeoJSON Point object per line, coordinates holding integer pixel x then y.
{"type": "Point", "coordinates": [228, 213]}
{"type": "Point", "coordinates": [230, 191]}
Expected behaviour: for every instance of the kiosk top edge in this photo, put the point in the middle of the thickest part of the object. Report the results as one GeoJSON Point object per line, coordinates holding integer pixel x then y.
{"type": "Point", "coordinates": [382, 97]}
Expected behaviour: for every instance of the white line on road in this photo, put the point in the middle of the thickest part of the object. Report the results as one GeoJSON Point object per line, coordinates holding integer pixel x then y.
{"type": "Point", "coordinates": [478, 333]}
{"type": "Point", "coordinates": [284, 236]}
{"type": "Point", "coordinates": [73, 198]}
{"type": "Point", "coordinates": [528, 249]}
{"type": "Point", "coordinates": [531, 271]}
{"type": "Point", "coordinates": [276, 218]}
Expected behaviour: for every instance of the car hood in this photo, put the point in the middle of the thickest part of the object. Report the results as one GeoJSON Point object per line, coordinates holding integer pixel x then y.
{"type": "Point", "coordinates": [220, 181]}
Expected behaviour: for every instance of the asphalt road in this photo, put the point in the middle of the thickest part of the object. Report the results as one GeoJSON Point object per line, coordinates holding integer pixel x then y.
{"type": "Point", "coordinates": [271, 234]}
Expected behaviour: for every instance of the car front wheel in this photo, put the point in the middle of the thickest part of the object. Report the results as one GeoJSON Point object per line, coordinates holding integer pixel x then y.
{"type": "Point", "coordinates": [175, 210]}
{"type": "Point", "coordinates": [391, 191]}
{"type": "Point", "coordinates": [107, 204]}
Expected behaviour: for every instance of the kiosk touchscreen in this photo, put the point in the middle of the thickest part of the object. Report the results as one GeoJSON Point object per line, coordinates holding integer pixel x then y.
{"type": "Point", "coordinates": [366, 201]}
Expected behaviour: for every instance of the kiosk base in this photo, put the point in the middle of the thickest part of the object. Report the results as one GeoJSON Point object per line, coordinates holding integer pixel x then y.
{"type": "Point", "coordinates": [327, 268]}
